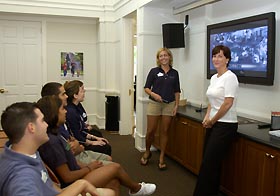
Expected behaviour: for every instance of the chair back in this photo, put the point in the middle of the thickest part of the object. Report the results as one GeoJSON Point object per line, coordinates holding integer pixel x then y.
{"type": "Point", "coordinates": [3, 140]}
{"type": "Point", "coordinates": [52, 175]}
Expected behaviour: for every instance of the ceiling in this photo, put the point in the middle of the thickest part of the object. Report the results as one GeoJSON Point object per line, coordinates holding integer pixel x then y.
{"type": "Point", "coordinates": [169, 3]}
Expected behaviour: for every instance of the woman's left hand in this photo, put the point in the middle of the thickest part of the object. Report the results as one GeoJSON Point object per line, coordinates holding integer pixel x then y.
{"type": "Point", "coordinates": [175, 110]}
{"type": "Point", "coordinates": [88, 127]}
{"type": "Point", "coordinates": [102, 139]}
{"type": "Point", "coordinates": [97, 143]}
{"type": "Point", "coordinates": [207, 123]}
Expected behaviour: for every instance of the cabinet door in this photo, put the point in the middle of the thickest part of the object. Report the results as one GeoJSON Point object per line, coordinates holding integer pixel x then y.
{"type": "Point", "coordinates": [170, 148]}
{"type": "Point", "coordinates": [180, 138]}
{"type": "Point", "coordinates": [195, 141]}
{"type": "Point", "coordinates": [259, 173]}
{"type": "Point", "coordinates": [232, 169]}
{"type": "Point", "coordinates": [277, 177]}
{"type": "Point", "coordinates": [189, 139]}
{"type": "Point", "coordinates": [170, 145]}
{"type": "Point", "coordinates": [156, 142]}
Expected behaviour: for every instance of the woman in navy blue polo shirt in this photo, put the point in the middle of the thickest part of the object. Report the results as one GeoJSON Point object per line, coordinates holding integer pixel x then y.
{"type": "Point", "coordinates": [163, 87]}
{"type": "Point", "coordinates": [75, 119]}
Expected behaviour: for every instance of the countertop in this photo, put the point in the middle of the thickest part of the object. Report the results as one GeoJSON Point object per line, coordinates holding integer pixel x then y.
{"type": "Point", "coordinates": [247, 128]}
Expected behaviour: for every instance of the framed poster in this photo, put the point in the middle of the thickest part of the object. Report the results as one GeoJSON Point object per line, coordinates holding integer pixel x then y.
{"type": "Point", "coordinates": [71, 65]}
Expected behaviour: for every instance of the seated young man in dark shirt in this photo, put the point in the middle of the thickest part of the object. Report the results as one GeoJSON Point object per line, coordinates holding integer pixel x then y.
{"type": "Point", "coordinates": [21, 168]}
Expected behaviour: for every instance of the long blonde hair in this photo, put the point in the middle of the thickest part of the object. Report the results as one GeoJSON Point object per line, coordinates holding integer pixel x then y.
{"type": "Point", "coordinates": [168, 52]}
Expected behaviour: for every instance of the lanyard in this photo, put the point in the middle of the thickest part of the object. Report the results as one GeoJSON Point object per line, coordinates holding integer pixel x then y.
{"type": "Point", "coordinates": [67, 146]}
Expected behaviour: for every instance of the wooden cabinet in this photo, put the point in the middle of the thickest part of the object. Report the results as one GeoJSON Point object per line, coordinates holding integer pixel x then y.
{"type": "Point", "coordinates": [185, 142]}
{"type": "Point", "coordinates": [169, 147]}
{"type": "Point", "coordinates": [250, 168]}
{"type": "Point", "coordinates": [156, 142]}
{"type": "Point", "coordinates": [261, 170]}
{"type": "Point", "coordinates": [277, 178]}
{"type": "Point", "coordinates": [180, 136]}
{"type": "Point", "coordinates": [189, 137]}
{"type": "Point", "coordinates": [232, 167]}
{"type": "Point", "coordinates": [171, 138]}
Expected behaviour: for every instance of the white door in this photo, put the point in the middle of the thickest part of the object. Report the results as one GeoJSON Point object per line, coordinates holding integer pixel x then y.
{"type": "Point", "coordinates": [126, 70]}
{"type": "Point", "coordinates": [20, 62]}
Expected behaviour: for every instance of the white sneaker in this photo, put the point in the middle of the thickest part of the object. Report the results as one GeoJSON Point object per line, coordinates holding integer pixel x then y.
{"type": "Point", "coordinates": [146, 189]}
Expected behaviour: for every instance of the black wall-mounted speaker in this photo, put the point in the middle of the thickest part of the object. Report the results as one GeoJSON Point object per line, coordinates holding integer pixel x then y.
{"type": "Point", "coordinates": [173, 35]}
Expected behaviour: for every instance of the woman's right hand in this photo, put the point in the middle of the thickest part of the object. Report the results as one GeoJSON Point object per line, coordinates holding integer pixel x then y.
{"type": "Point", "coordinates": [95, 165]}
{"type": "Point", "coordinates": [76, 148]}
{"type": "Point", "coordinates": [156, 97]}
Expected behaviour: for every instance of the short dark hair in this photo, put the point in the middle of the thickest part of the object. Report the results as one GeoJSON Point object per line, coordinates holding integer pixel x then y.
{"type": "Point", "coordinates": [225, 50]}
{"type": "Point", "coordinates": [15, 118]}
{"type": "Point", "coordinates": [51, 88]}
{"type": "Point", "coordinates": [72, 88]}
{"type": "Point", "coordinates": [49, 106]}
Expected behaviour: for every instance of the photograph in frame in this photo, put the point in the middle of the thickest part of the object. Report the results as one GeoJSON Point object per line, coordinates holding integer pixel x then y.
{"type": "Point", "coordinates": [72, 66]}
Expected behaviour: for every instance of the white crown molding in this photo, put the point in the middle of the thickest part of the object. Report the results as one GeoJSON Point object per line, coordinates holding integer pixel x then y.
{"type": "Point", "coordinates": [57, 4]}
{"type": "Point", "coordinates": [120, 3]}
{"type": "Point", "coordinates": [192, 5]}
{"type": "Point", "coordinates": [67, 4]}
{"type": "Point", "coordinates": [77, 8]}
{"type": "Point", "coordinates": [81, 8]}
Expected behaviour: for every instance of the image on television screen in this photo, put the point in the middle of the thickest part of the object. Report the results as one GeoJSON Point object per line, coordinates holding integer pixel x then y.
{"type": "Point", "coordinates": [248, 49]}
{"type": "Point", "coordinates": [252, 44]}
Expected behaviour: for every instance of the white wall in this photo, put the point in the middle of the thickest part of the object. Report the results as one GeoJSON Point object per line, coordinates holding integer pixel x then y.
{"type": "Point", "coordinates": [93, 29]}
{"type": "Point", "coordinates": [149, 21]}
{"type": "Point", "coordinates": [66, 35]}
{"type": "Point", "coordinates": [254, 100]}
{"type": "Point", "coordinates": [101, 43]}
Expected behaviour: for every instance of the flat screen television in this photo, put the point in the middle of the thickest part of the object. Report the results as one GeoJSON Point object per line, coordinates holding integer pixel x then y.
{"type": "Point", "coordinates": [252, 44]}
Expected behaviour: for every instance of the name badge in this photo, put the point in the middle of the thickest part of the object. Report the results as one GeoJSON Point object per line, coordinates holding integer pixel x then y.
{"type": "Point", "coordinates": [44, 176]}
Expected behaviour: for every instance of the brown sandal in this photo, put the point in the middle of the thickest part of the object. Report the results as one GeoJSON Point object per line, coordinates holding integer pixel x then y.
{"type": "Point", "coordinates": [162, 166]}
{"type": "Point", "coordinates": [145, 160]}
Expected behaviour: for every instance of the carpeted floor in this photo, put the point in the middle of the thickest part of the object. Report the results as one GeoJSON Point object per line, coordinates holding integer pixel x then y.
{"type": "Point", "coordinates": [175, 181]}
